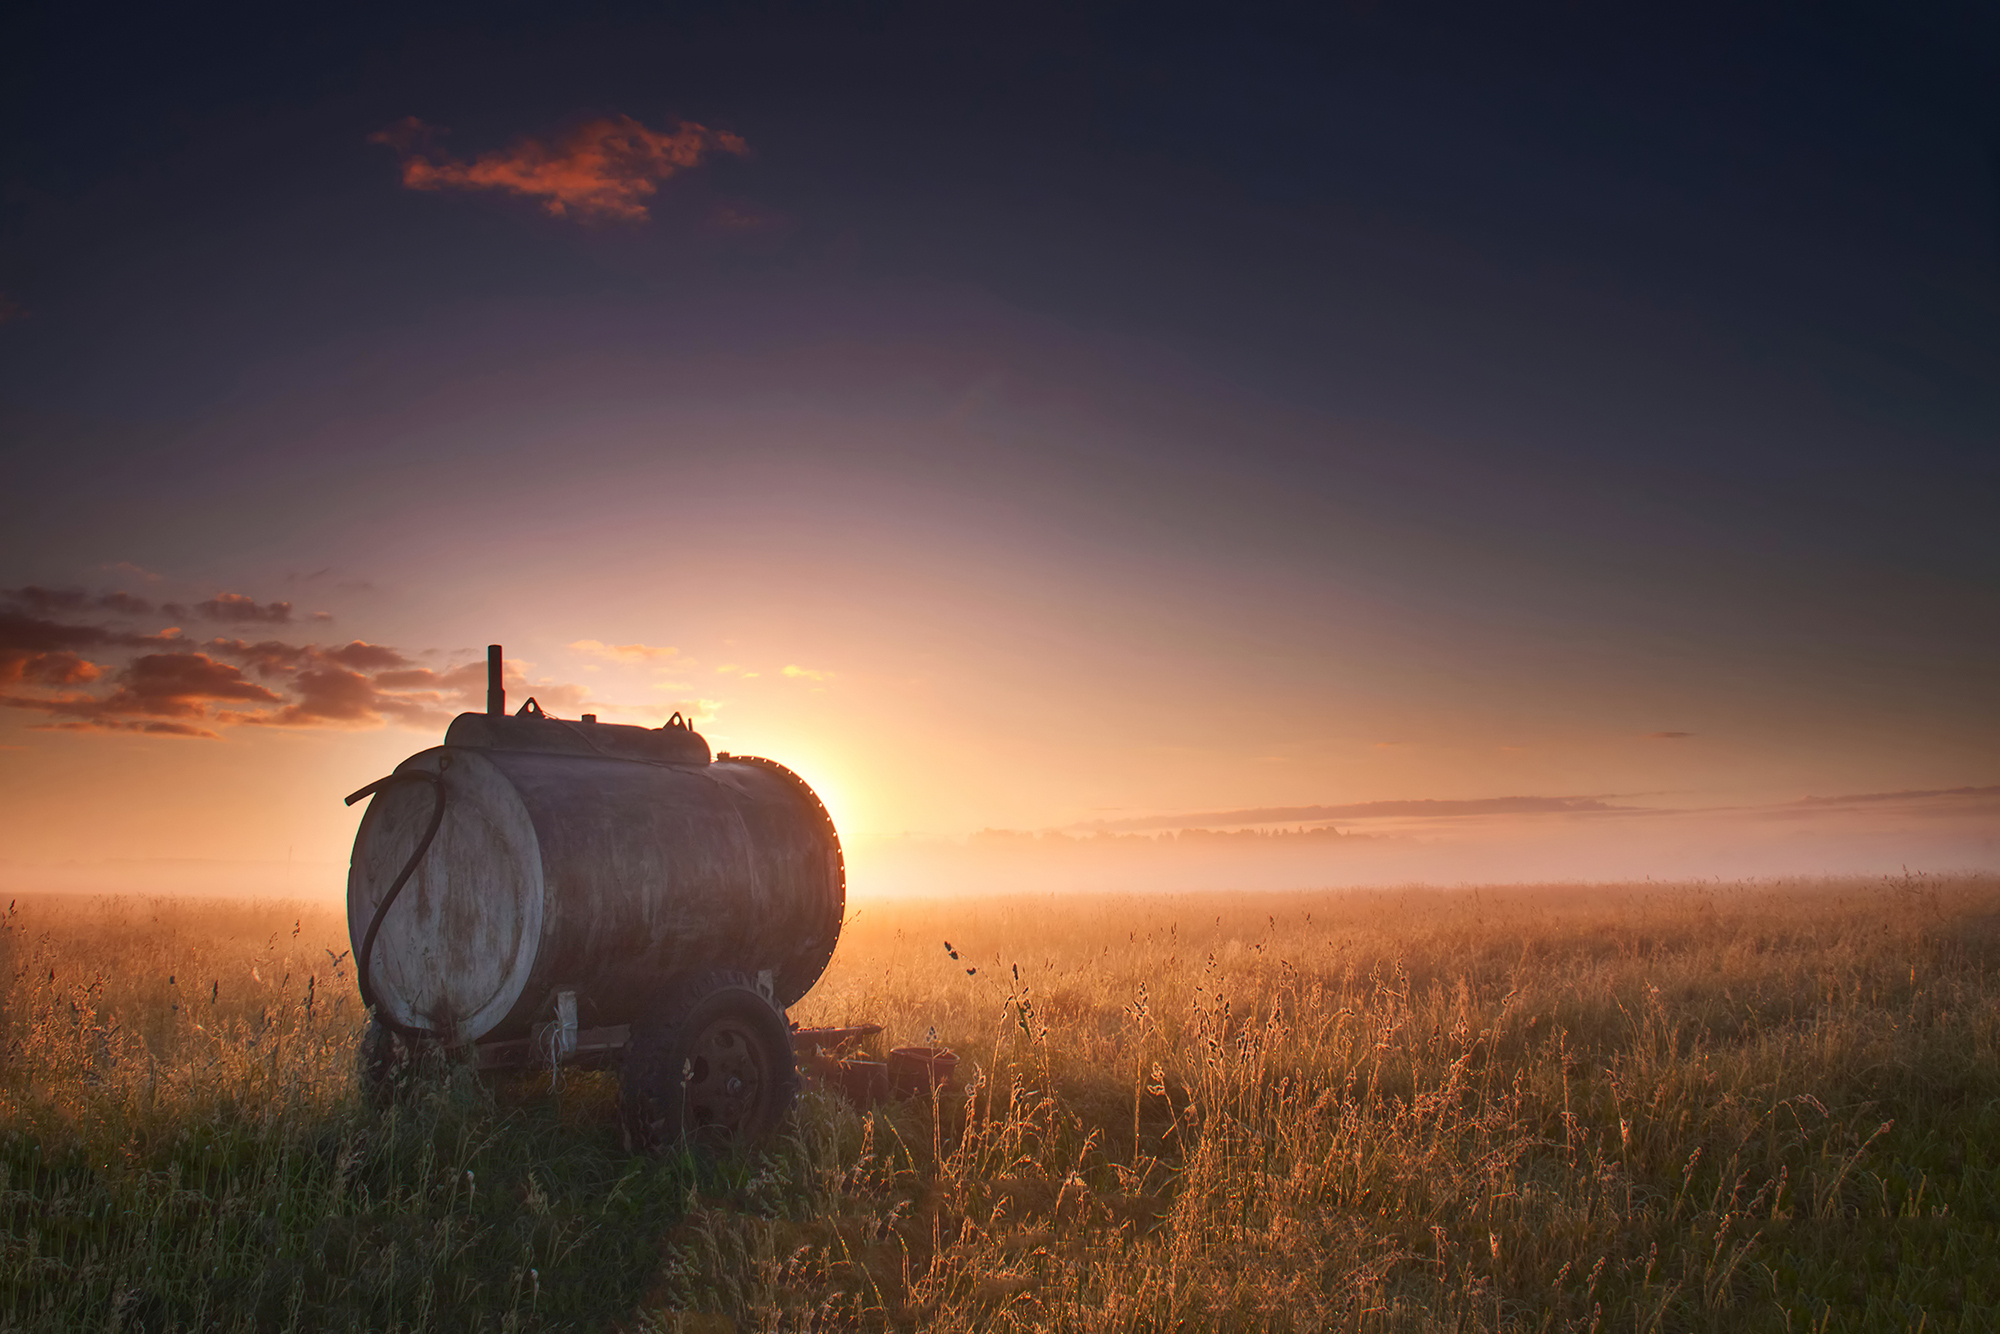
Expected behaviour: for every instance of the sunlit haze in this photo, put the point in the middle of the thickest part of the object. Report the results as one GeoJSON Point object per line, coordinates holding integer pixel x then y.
{"type": "Point", "coordinates": [1425, 447]}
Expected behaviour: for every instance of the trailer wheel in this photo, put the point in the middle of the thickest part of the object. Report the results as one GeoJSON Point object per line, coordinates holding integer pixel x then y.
{"type": "Point", "coordinates": [711, 1066]}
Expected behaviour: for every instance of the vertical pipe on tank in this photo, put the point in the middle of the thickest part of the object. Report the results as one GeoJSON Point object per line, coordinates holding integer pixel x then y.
{"type": "Point", "coordinates": [496, 694]}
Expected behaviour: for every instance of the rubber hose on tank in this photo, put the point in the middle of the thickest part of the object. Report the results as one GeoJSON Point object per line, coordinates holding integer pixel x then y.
{"type": "Point", "coordinates": [436, 780]}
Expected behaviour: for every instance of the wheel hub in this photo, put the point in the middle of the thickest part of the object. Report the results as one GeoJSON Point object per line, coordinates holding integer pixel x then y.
{"type": "Point", "coordinates": [726, 1082]}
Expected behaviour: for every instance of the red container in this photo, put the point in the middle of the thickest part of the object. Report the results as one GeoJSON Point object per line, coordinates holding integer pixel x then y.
{"type": "Point", "coordinates": [915, 1071]}
{"type": "Point", "coordinates": [863, 1083]}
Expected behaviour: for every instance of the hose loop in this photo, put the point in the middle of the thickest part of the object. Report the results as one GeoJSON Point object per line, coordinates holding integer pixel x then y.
{"type": "Point", "coordinates": [365, 953]}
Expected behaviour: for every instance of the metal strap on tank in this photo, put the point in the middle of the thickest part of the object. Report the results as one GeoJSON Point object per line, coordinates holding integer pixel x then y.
{"type": "Point", "coordinates": [361, 958]}
{"type": "Point", "coordinates": [591, 741]}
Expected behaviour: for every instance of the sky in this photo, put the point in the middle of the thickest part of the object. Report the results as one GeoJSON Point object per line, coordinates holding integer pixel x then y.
{"type": "Point", "coordinates": [1436, 441]}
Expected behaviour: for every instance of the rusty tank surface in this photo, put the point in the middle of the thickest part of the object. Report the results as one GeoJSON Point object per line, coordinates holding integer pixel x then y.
{"type": "Point", "coordinates": [559, 890]}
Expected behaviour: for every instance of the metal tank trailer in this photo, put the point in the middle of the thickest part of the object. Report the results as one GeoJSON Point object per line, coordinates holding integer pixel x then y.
{"type": "Point", "coordinates": [547, 891]}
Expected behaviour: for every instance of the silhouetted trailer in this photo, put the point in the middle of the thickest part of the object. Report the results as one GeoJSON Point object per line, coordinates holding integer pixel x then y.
{"type": "Point", "coordinates": [542, 890]}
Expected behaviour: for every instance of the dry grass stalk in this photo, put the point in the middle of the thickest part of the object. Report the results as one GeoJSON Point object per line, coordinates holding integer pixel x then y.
{"type": "Point", "coordinates": [1641, 1107]}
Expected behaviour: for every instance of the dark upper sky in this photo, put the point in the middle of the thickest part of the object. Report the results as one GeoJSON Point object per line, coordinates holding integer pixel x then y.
{"type": "Point", "coordinates": [1758, 243]}
{"type": "Point", "coordinates": [1682, 323]}
{"type": "Point", "coordinates": [1792, 212]}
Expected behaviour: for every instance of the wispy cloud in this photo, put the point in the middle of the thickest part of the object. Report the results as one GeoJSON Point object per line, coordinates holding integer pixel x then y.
{"type": "Point", "coordinates": [151, 726]}
{"type": "Point", "coordinates": [1364, 810]}
{"type": "Point", "coordinates": [624, 652]}
{"type": "Point", "coordinates": [1911, 794]}
{"type": "Point", "coordinates": [1951, 800]}
{"type": "Point", "coordinates": [742, 218]}
{"type": "Point", "coordinates": [233, 608]}
{"type": "Point", "coordinates": [236, 607]}
{"type": "Point", "coordinates": [51, 601]}
{"type": "Point", "coordinates": [603, 169]}
{"type": "Point", "coordinates": [1667, 736]}
{"type": "Point", "coordinates": [798, 673]}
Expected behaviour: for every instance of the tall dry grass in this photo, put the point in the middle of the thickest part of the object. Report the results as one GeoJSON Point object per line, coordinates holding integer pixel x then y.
{"type": "Point", "coordinates": [183, 1146]}
{"type": "Point", "coordinates": [1612, 1108]}
{"type": "Point", "coordinates": [1673, 1107]}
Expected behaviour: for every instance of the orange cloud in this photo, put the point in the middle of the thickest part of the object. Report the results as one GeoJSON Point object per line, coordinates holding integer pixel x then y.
{"type": "Point", "coordinates": [605, 168]}
{"type": "Point", "coordinates": [60, 668]}
{"type": "Point", "coordinates": [1667, 736]}
{"type": "Point", "coordinates": [155, 686]}
{"type": "Point", "coordinates": [798, 673]}
{"type": "Point", "coordinates": [330, 695]}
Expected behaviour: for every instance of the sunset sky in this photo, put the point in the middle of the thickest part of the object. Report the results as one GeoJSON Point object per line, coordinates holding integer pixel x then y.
{"type": "Point", "coordinates": [1541, 439]}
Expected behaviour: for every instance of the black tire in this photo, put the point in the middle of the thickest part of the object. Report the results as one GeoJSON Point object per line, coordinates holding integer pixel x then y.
{"type": "Point", "coordinates": [710, 1067]}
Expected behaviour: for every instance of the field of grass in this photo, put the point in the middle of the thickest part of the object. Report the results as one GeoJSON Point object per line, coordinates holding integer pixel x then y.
{"type": "Point", "coordinates": [1620, 1108]}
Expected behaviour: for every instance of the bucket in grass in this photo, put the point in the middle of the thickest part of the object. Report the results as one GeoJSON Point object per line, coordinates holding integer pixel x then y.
{"type": "Point", "coordinates": [915, 1071]}
{"type": "Point", "coordinates": [863, 1083]}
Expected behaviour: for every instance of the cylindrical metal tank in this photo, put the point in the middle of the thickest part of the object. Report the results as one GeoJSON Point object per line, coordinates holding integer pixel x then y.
{"type": "Point", "coordinates": [592, 858]}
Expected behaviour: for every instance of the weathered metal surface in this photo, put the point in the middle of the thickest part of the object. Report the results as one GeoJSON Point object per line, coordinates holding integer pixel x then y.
{"type": "Point", "coordinates": [559, 736]}
{"type": "Point", "coordinates": [458, 948]}
{"type": "Point", "coordinates": [592, 858]}
{"type": "Point", "coordinates": [594, 1047]}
